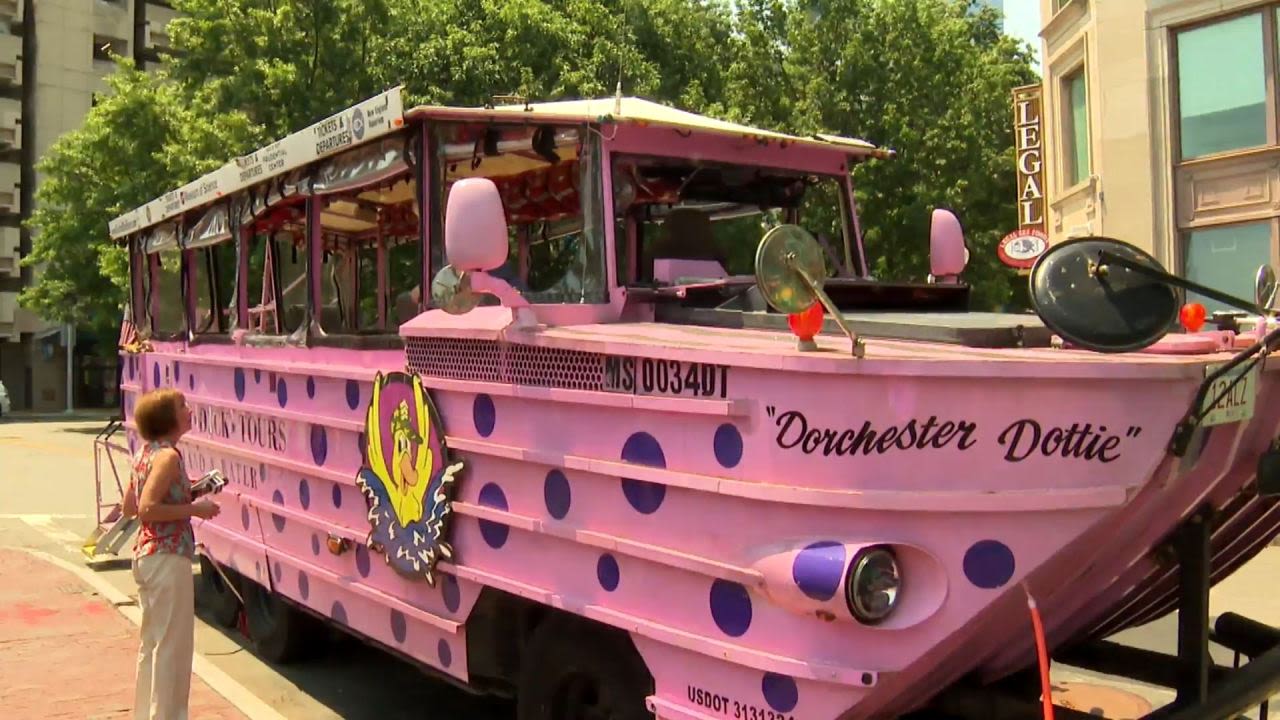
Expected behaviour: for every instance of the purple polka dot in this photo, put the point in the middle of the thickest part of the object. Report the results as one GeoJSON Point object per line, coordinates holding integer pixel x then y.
{"type": "Point", "coordinates": [279, 571]}
{"type": "Point", "coordinates": [446, 654]}
{"type": "Point", "coordinates": [257, 569]}
{"type": "Point", "coordinates": [730, 607]}
{"type": "Point", "coordinates": [132, 368]}
{"type": "Point", "coordinates": [278, 520]}
{"type": "Point", "coordinates": [607, 572]}
{"type": "Point", "coordinates": [319, 444]}
{"type": "Point", "coordinates": [257, 376]}
{"type": "Point", "coordinates": [244, 516]}
{"type": "Point", "coordinates": [239, 381]}
{"type": "Point", "coordinates": [818, 569]}
{"type": "Point", "coordinates": [304, 585]}
{"type": "Point", "coordinates": [177, 370]}
{"type": "Point", "coordinates": [494, 534]}
{"type": "Point", "coordinates": [338, 613]}
{"type": "Point", "coordinates": [451, 592]}
{"type": "Point", "coordinates": [360, 444]}
{"type": "Point", "coordinates": [311, 387]}
{"type": "Point", "coordinates": [988, 564]}
{"type": "Point", "coordinates": [337, 496]}
{"type": "Point", "coordinates": [155, 375]}
{"type": "Point", "coordinates": [643, 449]}
{"type": "Point", "coordinates": [728, 445]}
{"type": "Point", "coordinates": [780, 692]}
{"type": "Point", "coordinates": [556, 493]}
{"type": "Point", "coordinates": [484, 414]}
{"type": "Point", "coordinates": [282, 393]}
{"type": "Point", "coordinates": [362, 561]}
{"type": "Point", "coordinates": [399, 628]}
{"type": "Point", "coordinates": [315, 544]}
{"type": "Point", "coordinates": [191, 382]}
{"type": "Point", "coordinates": [304, 494]}
{"type": "Point", "coordinates": [353, 394]}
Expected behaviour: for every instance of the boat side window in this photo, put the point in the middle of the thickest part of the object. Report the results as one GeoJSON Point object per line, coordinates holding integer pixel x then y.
{"type": "Point", "coordinates": [211, 256]}
{"type": "Point", "coordinates": [276, 282]}
{"type": "Point", "coordinates": [162, 281]}
{"type": "Point", "coordinates": [549, 180]}
{"type": "Point", "coordinates": [371, 265]}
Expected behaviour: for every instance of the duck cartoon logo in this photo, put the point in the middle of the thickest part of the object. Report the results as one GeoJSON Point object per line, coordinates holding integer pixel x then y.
{"type": "Point", "coordinates": [407, 479]}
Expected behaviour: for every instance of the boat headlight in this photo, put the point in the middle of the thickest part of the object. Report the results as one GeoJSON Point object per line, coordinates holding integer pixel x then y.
{"type": "Point", "coordinates": [873, 585]}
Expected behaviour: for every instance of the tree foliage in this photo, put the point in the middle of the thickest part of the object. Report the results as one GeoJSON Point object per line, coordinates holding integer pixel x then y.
{"type": "Point", "coordinates": [929, 78]}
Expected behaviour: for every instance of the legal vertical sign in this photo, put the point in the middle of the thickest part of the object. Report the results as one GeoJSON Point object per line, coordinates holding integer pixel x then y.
{"type": "Point", "coordinates": [1028, 133]}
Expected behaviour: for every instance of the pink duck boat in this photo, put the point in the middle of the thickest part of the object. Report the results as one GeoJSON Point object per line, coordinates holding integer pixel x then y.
{"type": "Point", "coordinates": [602, 467]}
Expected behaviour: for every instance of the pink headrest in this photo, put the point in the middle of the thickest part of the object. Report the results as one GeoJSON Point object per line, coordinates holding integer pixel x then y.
{"type": "Point", "coordinates": [475, 229]}
{"type": "Point", "coordinates": [947, 253]}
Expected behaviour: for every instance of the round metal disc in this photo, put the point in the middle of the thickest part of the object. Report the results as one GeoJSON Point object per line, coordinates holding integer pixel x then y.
{"type": "Point", "coordinates": [1120, 311]}
{"type": "Point", "coordinates": [451, 291]}
{"type": "Point", "coordinates": [783, 249]}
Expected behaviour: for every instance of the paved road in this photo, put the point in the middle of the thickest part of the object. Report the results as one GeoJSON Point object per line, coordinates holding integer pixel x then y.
{"type": "Point", "coordinates": [47, 503]}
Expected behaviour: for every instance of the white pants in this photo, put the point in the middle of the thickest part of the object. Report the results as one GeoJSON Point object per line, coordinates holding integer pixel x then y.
{"type": "Point", "coordinates": [166, 594]}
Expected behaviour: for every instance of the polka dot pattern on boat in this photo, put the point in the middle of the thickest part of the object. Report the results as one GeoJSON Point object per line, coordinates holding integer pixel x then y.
{"type": "Point", "coordinates": [780, 692]}
{"type": "Point", "coordinates": [278, 571]}
{"type": "Point", "coordinates": [304, 494]}
{"type": "Point", "coordinates": [730, 607]}
{"type": "Point", "coordinates": [239, 383]}
{"type": "Point", "coordinates": [607, 572]}
{"type": "Point", "coordinates": [353, 394]}
{"type": "Point", "coordinates": [728, 445]}
{"type": "Point", "coordinates": [304, 585]}
{"type": "Point", "coordinates": [257, 376]}
{"type": "Point", "coordinates": [278, 520]}
{"type": "Point", "coordinates": [445, 653]}
{"type": "Point", "coordinates": [337, 495]}
{"type": "Point", "coordinates": [311, 388]}
{"type": "Point", "coordinates": [282, 392]}
{"type": "Point", "coordinates": [818, 569]}
{"type": "Point", "coordinates": [338, 613]}
{"type": "Point", "coordinates": [484, 415]}
{"type": "Point", "coordinates": [155, 375]}
{"type": "Point", "coordinates": [451, 593]}
{"type": "Point", "coordinates": [363, 566]}
{"type": "Point", "coordinates": [643, 449]}
{"type": "Point", "coordinates": [495, 534]}
{"type": "Point", "coordinates": [557, 494]}
{"type": "Point", "coordinates": [315, 544]}
{"type": "Point", "coordinates": [319, 444]}
{"type": "Point", "coordinates": [244, 516]}
{"type": "Point", "coordinates": [399, 627]}
{"type": "Point", "coordinates": [989, 564]}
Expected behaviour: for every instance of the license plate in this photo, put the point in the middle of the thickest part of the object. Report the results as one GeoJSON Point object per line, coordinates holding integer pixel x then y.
{"type": "Point", "coordinates": [1239, 401]}
{"type": "Point", "coordinates": [651, 376]}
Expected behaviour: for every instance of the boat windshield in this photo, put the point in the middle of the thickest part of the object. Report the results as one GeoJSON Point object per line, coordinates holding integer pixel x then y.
{"type": "Point", "coordinates": [682, 220]}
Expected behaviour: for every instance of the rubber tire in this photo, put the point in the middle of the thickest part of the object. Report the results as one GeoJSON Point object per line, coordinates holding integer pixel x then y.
{"type": "Point", "coordinates": [564, 647]}
{"type": "Point", "coordinates": [281, 633]}
{"type": "Point", "coordinates": [213, 595]}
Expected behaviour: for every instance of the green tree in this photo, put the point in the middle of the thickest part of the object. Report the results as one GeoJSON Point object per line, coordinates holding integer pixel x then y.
{"type": "Point", "coordinates": [142, 139]}
{"type": "Point", "coordinates": [931, 79]}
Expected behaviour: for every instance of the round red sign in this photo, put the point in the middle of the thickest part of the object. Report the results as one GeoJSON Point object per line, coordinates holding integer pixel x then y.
{"type": "Point", "coordinates": [1020, 248]}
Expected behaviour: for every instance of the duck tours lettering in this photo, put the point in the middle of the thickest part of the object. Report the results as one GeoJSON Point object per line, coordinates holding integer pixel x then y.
{"type": "Point", "coordinates": [1018, 441]}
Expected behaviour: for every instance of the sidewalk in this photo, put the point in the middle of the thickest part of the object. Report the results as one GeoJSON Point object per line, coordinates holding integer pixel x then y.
{"type": "Point", "coordinates": [65, 652]}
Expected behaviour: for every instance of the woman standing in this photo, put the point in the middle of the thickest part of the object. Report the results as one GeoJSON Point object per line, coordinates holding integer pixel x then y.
{"type": "Point", "coordinates": [160, 496]}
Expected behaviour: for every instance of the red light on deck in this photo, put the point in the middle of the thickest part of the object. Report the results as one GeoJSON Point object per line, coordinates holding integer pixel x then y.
{"type": "Point", "coordinates": [1192, 316]}
{"type": "Point", "coordinates": [806, 324]}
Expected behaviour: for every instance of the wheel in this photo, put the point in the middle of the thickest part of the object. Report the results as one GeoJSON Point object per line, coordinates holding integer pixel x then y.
{"type": "Point", "coordinates": [281, 633]}
{"type": "Point", "coordinates": [576, 670]}
{"type": "Point", "coordinates": [213, 594]}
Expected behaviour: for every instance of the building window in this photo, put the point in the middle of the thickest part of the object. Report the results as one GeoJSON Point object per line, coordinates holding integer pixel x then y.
{"type": "Point", "coordinates": [1222, 87]}
{"type": "Point", "coordinates": [1075, 103]}
{"type": "Point", "coordinates": [1226, 259]}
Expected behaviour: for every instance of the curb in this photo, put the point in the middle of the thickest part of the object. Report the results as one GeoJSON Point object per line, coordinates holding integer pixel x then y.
{"type": "Point", "coordinates": [238, 695]}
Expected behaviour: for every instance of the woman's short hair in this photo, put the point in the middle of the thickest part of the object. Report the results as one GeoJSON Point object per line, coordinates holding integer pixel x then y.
{"type": "Point", "coordinates": [156, 413]}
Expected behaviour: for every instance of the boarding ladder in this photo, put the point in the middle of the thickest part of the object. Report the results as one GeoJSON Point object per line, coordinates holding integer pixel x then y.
{"type": "Point", "coordinates": [113, 531]}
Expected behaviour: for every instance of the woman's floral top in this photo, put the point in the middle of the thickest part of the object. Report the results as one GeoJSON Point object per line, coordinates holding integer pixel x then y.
{"type": "Point", "coordinates": [170, 536]}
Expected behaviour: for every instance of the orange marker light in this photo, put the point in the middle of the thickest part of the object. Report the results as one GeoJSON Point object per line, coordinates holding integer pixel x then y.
{"type": "Point", "coordinates": [1192, 316]}
{"type": "Point", "coordinates": [805, 325]}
